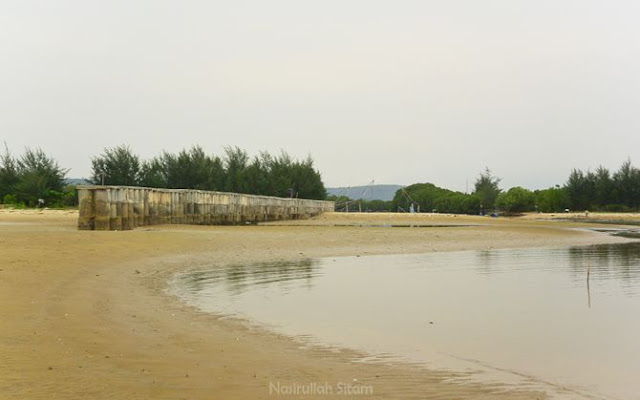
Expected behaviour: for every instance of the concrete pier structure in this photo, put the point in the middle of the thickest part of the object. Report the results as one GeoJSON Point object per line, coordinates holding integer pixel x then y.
{"type": "Point", "coordinates": [106, 208]}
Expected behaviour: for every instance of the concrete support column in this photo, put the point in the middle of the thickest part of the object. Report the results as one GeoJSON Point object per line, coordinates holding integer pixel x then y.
{"type": "Point", "coordinates": [102, 209]}
{"type": "Point", "coordinates": [86, 209]}
{"type": "Point", "coordinates": [140, 208]}
{"type": "Point", "coordinates": [146, 216]}
{"type": "Point", "coordinates": [115, 215]}
{"type": "Point", "coordinates": [123, 209]}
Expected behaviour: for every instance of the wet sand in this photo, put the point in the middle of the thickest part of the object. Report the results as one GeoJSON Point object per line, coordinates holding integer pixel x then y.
{"type": "Point", "coordinates": [85, 314]}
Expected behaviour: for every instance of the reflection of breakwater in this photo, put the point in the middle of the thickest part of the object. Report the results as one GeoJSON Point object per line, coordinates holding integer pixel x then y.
{"type": "Point", "coordinates": [606, 262]}
{"type": "Point", "coordinates": [236, 278]}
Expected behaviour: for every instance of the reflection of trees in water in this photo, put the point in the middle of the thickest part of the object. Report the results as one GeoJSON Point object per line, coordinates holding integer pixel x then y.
{"type": "Point", "coordinates": [238, 277]}
{"type": "Point", "coordinates": [619, 261]}
{"type": "Point", "coordinates": [607, 261]}
{"type": "Point", "coordinates": [494, 261]}
{"type": "Point", "coordinates": [485, 261]}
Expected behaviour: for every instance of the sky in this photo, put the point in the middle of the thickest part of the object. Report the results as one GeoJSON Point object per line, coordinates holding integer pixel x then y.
{"type": "Point", "coordinates": [386, 91]}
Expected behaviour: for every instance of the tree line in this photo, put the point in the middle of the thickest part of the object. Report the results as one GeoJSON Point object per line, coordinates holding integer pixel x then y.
{"type": "Point", "coordinates": [603, 190]}
{"type": "Point", "coordinates": [427, 197]}
{"type": "Point", "coordinates": [598, 190]}
{"type": "Point", "coordinates": [34, 178]}
{"type": "Point", "coordinates": [265, 174]}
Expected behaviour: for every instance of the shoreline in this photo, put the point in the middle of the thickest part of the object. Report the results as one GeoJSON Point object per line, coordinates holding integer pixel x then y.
{"type": "Point", "coordinates": [87, 315]}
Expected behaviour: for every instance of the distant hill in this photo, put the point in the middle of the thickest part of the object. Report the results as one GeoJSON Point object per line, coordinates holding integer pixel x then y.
{"type": "Point", "coordinates": [373, 192]}
{"type": "Point", "coordinates": [75, 181]}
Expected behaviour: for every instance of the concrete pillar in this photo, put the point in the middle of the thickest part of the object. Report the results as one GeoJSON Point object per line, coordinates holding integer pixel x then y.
{"type": "Point", "coordinates": [102, 209]}
{"type": "Point", "coordinates": [162, 208]}
{"type": "Point", "coordinates": [166, 207]}
{"type": "Point", "coordinates": [140, 200]}
{"type": "Point", "coordinates": [145, 204]}
{"type": "Point", "coordinates": [165, 215]}
{"type": "Point", "coordinates": [215, 204]}
{"type": "Point", "coordinates": [186, 206]}
{"type": "Point", "coordinates": [153, 207]}
{"type": "Point", "coordinates": [131, 206]}
{"type": "Point", "coordinates": [86, 209]}
{"type": "Point", "coordinates": [124, 208]}
{"type": "Point", "coordinates": [182, 217]}
{"type": "Point", "coordinates": [175, 205]}
{"type": "Point", "coordinates": [115, 215]}
{"type": "Point", "coordinates": [206, 199]}
{"type": "Point", "coordinates": [200, 208]}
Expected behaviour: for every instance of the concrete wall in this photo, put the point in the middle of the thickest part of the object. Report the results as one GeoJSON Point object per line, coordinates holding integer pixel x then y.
{"type": "Point", "coordinates": [124, 207]}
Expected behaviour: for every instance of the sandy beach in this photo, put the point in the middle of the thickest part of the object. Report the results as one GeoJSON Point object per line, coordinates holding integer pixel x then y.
{"type": "Point", "coordinates": [85, 314]}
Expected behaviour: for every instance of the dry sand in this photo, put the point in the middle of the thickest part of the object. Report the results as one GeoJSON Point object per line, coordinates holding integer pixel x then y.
{"type": "Point", "coordinates": [84, 314]}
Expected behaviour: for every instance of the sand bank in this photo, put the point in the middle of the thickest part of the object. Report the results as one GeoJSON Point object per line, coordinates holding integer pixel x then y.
{"type": "Point", "coordinates": [85, 315]}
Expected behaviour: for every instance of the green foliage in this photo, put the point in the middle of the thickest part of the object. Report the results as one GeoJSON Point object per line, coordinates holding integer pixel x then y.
{"type": "Point", "coordinates": [602, 185]}
{"type": "Point", "coordinates": [68, 197]}
{"type": "Point", "coordinates": [579, 190]}
{"type": "Point", "coordinates": [191, 169]}
{"type": "Point", "coordinates": [338, 199]}
{"type": "Point", "coordinates": [377, 206]}
{"type": "Point", "coordinates": [344, 203]}
{"type": "Point", "coordinates": [515, 200]}
{"type": "Point", "coordinates": [258, 174]}
{"type": "Point", "coordinates": [487, 190]}
{"type": "Point", "coordinates": [306, 181]}
{"type": "Point", "coordinates": [553, 199]}
{"type": "Point", "coordinates": [235, 161]}
{"type": "Point", "coordinates": [627, 185]}
{"type": "Point", "coordinates": [616, 208]}
{"type": "Point", "coordinates": [153, 174]}
{"type": "Point", "coordinates": [10, 199]}
{"type": "Point", "coordinates": [431, 197]}
{"type": "Point", "coordinates": [116, 166]}
{"type": "Point", "coordinates": [8, 174]}
{"type": "Point", "coordinates": [32, 177]}
{"type": "Point", "coordinates": [194, 169]}
{"type": "Point", "coordinates": [600, 190]}
{"type": "Point", "coordinates": [39, 177]}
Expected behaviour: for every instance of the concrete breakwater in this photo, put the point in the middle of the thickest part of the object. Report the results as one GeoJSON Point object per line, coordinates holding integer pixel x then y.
{"type": "Point", "coordinates": [125, 207]}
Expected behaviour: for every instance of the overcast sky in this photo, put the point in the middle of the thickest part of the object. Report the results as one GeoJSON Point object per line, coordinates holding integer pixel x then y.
{"type": "Point", "coordinates": [391, 91]}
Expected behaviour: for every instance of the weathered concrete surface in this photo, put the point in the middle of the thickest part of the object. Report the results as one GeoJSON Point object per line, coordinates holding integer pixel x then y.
{"type": "Point", "coordinates": [124, 207]}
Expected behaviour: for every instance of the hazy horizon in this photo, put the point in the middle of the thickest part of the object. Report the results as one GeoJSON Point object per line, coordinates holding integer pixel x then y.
{"type": "Point", "coordinates": [399, 93]}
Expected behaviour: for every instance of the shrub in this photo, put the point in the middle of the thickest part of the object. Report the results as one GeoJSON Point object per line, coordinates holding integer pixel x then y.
{"type": "Point", "coordinates": [9, 199]}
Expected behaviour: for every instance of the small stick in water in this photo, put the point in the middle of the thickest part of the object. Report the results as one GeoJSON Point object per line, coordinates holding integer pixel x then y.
{"type": "Point", "coordinates": [588, 288]}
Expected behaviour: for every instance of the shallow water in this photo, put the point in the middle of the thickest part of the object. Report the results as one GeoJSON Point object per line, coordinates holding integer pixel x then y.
{"type": "Point", "coordinates": [562, 320]}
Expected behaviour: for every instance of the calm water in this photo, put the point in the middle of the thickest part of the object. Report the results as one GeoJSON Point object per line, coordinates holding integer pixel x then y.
{"type": "Point", "coordinates": [529, 317]}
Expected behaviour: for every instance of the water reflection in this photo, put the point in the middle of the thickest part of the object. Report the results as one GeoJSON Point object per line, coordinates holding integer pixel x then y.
{"type": "Point", "coordinates": [615, 262]}
{"type": "Point", "coordinates": [608, 261]}
{"type": "Point", "coordinates": [237, 278]}
{"type": "Point", "coordinates": [561, 315]}
{"type": "Point", "coordinates": [619, 262]}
